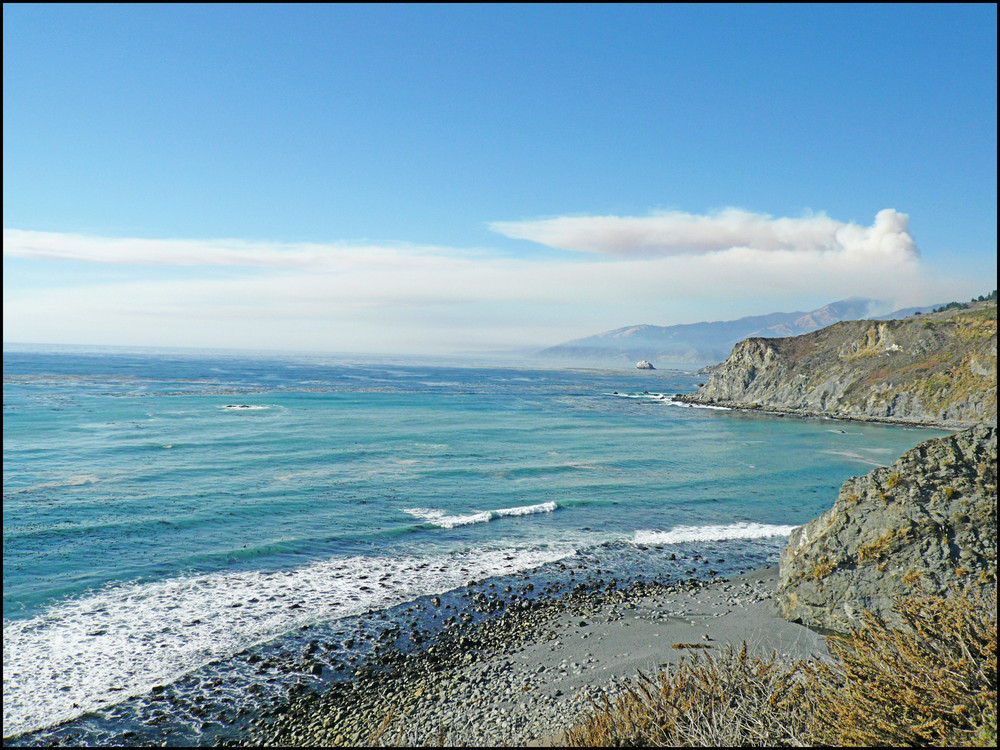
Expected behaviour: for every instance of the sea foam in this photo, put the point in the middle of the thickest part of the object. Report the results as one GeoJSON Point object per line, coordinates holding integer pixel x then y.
{"type": "Point", "coordinates": [445, 521]}
{"type": "Point", "coordinates": [679, 534]}
{"type": "Point", "coordinates": [669, 401]}
{"type": "Point", "coordinates": [699, 406]}
{"type": "Point", "coordinates": [88, 653]}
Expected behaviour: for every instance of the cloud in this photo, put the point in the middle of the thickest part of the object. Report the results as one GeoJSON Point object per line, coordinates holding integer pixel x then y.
{"type": "Point", "coordinates": [406, 298]}
{"type": "Point", "coordinates": [656, 236]}
{"type": "Point", "coordinates": [676, 233]}
{"type": "Point", "coordinates": [197, 252]}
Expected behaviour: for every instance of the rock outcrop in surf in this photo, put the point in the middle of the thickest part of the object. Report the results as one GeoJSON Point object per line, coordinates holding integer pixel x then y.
{"type": "Point", "coordinates": [925, 524]}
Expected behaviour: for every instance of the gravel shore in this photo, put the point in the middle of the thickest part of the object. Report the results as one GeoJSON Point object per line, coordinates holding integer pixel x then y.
{"type": "Point", "coordinates": [521, 677]}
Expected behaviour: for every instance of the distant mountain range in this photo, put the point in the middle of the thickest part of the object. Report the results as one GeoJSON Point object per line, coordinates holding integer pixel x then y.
{"type": "Point", "coordinates": [706, 343]}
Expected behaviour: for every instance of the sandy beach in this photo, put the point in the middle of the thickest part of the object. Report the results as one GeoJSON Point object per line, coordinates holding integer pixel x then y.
{"type": "Point", "coordinates": [521, 678]}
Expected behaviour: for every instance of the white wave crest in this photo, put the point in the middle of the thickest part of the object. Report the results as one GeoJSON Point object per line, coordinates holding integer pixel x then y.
{"type": "Point", "coordinates": [84, 654]}
{"type": "Point", "coordinates": [678, 534]}
{"type": "Point", "coordinates": [699, 406]}
{"type": "Point", "coordinates": [243, 407]}
{"type": "Point", "coordinates": [442, 519]}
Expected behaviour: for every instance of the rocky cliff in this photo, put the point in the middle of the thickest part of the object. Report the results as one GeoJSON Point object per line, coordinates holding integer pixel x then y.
{"type": "Point", "coordinates": [938, 369]}
{"type": "Point", "coordinates": [925, 523]}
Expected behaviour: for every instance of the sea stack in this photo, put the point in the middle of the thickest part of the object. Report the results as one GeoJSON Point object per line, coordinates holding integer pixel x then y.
{"type": "Point", "coordinates": [644, 365]}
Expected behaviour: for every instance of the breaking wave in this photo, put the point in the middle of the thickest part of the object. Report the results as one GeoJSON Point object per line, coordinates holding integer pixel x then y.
{"type": "Point", "coordinates": [88, 653]}
{"type": "Point", "coordinates": [445, 521]}
{"type": "Point", "coordinates": [680, 534]}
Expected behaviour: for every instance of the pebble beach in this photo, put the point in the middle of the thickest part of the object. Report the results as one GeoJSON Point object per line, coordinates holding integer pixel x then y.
{"type": "Point", "coordinates": [523, 676]}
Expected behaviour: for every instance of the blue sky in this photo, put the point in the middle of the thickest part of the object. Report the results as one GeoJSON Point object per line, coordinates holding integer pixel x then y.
{"type": "Point", "coordinates": [437, 178]}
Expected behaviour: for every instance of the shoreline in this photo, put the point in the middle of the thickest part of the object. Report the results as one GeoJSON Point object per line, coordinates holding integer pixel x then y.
{"type": "Point", "coordinates": [807, 414]}
{"type": "Point", "coordinates": [523, 677]}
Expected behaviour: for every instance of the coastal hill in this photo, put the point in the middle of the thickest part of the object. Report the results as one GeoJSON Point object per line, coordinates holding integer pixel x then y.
{"type": "Point", "coordinates": [703, 343]}
{"type": "Point", "coordinates": [933, 369]}
{"type": "Point", "coordinates": [921, 526]}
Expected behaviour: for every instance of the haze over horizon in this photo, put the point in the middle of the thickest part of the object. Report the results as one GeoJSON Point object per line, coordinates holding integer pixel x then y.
{"type": "Point", "coordinates": [438, 179]}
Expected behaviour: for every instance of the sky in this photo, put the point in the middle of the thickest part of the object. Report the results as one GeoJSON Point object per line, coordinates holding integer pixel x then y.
{"type": "Point", "coordinates": [407, 179]}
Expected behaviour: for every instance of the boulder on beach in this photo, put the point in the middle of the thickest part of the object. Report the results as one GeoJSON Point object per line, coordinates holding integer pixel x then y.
{"type": "Point", "coordinates": [926, 524]}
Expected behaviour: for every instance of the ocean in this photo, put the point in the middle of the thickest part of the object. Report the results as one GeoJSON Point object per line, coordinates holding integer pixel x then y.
{"type": "Point", "coordinates": [167, 516]}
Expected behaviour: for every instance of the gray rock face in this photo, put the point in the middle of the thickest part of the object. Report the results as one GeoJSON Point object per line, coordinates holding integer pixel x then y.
{"type": "Point", "coordinates": [938, 369]}
{"type": "Point", "coordinates": [924, 524]}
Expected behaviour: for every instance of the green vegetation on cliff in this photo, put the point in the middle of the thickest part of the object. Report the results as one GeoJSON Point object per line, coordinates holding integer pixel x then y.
{"type": "Point", "coordinates": [991, 297]}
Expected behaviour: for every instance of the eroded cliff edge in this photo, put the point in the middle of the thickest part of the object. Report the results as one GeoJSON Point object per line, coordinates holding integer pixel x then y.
{"type": "Point", "coordinates": [922, 525]}
{"type": "Point", "coordinates": [936, 369]}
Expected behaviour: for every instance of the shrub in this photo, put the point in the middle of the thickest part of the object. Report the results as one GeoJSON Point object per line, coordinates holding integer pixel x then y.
{"type": "Point", "coordinates": [724, 702]}
{"type": "Point", "coordinates": [931, 682]}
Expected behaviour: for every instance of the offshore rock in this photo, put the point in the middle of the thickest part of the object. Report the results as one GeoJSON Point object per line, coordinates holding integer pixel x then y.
{"type": "Point", "coordinates": [923, 525]}
{"type": "Point", "coordinates": [937, 369]}
{"type": "Point", "coordinates": [644, 365]}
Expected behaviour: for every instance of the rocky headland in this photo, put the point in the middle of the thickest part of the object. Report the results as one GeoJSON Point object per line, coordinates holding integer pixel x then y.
{"type": "Point", "coordinates": [935, 369]}
{"type": "Point", "coordinates": [924, 525]}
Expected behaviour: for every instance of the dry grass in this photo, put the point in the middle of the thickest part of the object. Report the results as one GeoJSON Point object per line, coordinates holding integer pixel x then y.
{"type": "Point", "coordinates": [912, 577]}
{"type": "Point", "coordinates": [822, 569]}
{"type": "Point", "coordinates": [876, 549]}
{"type": "Point", "coordinates": [894, 480]}
{"type": "Point", "coordinates": [727, 701]}
{"type": "Point", "coordinates": [933, 682]}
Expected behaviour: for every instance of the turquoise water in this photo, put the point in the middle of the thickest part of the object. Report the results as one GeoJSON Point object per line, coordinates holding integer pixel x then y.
{"type": "Point", "coordinates": [165, 511]}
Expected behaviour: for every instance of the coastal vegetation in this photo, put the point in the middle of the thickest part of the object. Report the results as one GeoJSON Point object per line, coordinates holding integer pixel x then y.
{"type": "Point", "coordinates": [931, 681]}
{"type": "Point", "coordinates": [902, 570]}
{"type": "Point", "coordinates": [991, 297]}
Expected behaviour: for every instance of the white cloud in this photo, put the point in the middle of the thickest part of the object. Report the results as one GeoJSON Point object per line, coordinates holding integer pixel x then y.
{"type": "Point", "coordinates": [675, 233]}
{"type": "Point", "coordinates": [417, 298]}
{"type": "Point", "coordinates": [224, 252]}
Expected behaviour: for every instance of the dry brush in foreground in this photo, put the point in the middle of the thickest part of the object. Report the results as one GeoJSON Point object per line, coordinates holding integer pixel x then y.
{"type": "Point", "coordinates": [931, 682]}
